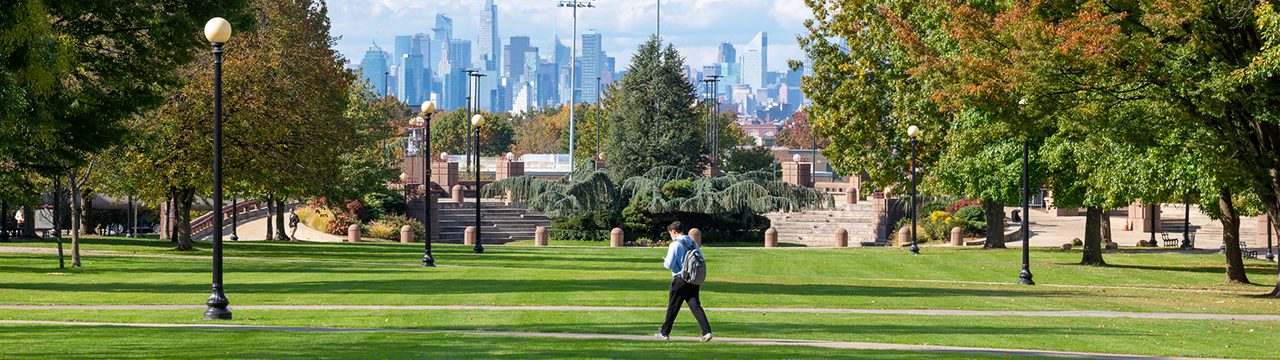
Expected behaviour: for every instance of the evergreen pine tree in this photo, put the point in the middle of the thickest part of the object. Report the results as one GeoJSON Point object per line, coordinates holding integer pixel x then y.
{"type": "Point", "coordinates": [656, 123]}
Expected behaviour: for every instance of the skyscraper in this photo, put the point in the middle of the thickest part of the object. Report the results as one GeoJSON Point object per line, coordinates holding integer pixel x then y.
{"type": "Point", "coordinates": [409, 80]}
{"type": "Point", "coordinates": [490, 43]}
{"type": "Point", "coordinates": [443, 36]}
{"type": "Point", "coordinates": [373, 68]}
{"type": "Point", "coordinates": [460, 53]}
{"type": "Point", "coordinates": [727, 53]}
{"type": "Point", "coordinates": [591, 61]}
{"type": "Point", "coordinates": [514, 61]}
{"type": "Point", "coordinates": [402, 45]}
{"type": "Point", "coordinates": [755, 61]}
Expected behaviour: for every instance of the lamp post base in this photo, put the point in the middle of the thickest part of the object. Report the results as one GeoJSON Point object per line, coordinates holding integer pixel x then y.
{"type": "Point", "coordinates": [217, 306]}
{"type": "Point", "coordinates": [1024, 278]}
{"type": "Point", "coordinates": [478, 249]}
{"type": "Point", "coordinates": [428, 261]}
{"type": "Point", "coordinates": [915, 250]}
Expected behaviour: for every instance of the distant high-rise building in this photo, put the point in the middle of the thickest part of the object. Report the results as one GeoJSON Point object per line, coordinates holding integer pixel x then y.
{"type": "Point", "coordinates": [460, 53]}
{"type": "Point", "coordinates": [591, 61]}
{"type": "Point", "coordinates": [422, 45]}
{"type": "Point", "coordinates": [548, 84]}
{"type": "Point", "coordinates": [402, 45]}
{"type": "Point", "coordinates": [490, 43]}
{"type": "Point", "coordinates": [751, 74]}
{"type": "Point", "coordinates": [455, 89]}
{"type": "Point", "coordinates": [373, 68]}
{"type": "Point", "coordinates": [443, 36]}
{"type": "Point", "coordinates": [409, 80]}
{"type": "Point", "coordinates": [514, 58]}
{"type": "Point", "coordinates": [755, 61]}
{"type": "Point", "coordinates": [727, 53]}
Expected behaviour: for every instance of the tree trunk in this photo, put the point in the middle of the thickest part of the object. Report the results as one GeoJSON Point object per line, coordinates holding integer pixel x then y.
{"type": "Point", "coordinates": [1231, 239]}
{"type": "Point", "coordinates": [1093, 237]}
{"type": "Point", "coordinates": [182, 218]}
{"type": "Point", "coordinates": [271, 210]}
{"type": "Point", "coordinates": [86, 213]}
{"type": "Point", "coordinates": [29, 216]}
{"type": "Point", "coordinates": [995, 224]}
{"type": "Point", "coordinates": [281, 234]}
{"type": "Point", "coordinates": [1105, 225]}
{"type": "Point", "coordinates": [77, 217]}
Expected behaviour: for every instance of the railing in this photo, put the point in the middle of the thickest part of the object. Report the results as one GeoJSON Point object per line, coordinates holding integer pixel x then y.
{"type": "Point", "coordinates": [205, 222]}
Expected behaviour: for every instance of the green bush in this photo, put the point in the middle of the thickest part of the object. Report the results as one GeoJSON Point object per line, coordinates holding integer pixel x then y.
{"type": "Point", "coordinates": [381, 204]}
{"type": "Point", "coordinates": [577, 235]}
{"type": "Point", "coordinates": [932, 206]}
{"type": "Point", "coordinates": [677, 188]}
{"type": "Point", "coordinates": [388, 227]}
{"type": "Point", "coordinates": [974, 219]}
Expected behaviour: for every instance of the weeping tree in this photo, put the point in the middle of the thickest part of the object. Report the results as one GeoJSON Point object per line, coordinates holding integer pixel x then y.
{"type": "Point", "coordinates": [731, 203]}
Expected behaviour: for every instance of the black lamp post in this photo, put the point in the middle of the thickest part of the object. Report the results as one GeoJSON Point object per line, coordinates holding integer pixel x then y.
{"type": "Point", "coordinates": [1152, 221]}
{"type": "Point", "coordinates": [217, 31]}
{"type": "Point", "coordinates": [1024, 277]}
{"type": "Point", "coordinates": [235, 222]}
{"type": "Point", "coordinates": [476, 121]}
{"type": "Point", "coordinates": [913, 132]}
{"type": "Point", "coordinates": [428, 110]}
{"type": "Point", "coordinates": [128, 218]}
{"type": "Point", "coordinates": [1186, 224]}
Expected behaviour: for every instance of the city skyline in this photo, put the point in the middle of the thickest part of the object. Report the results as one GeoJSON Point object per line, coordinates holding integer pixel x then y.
{"type": "Point", "coordinates": [697, 28]}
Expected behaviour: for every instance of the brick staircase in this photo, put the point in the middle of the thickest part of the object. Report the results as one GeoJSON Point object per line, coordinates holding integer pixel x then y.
{"type": "Point", "coordinates": [499, 223]}
{"type": "Point", "coordinates": [818, 228]}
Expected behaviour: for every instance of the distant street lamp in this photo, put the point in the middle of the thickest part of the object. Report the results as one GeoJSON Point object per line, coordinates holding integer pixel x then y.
{"type": "Point", "coordinates": [1024, 277]}
{"type": "Point", "coordinates": [235, 222]}
{"type": "Point", "coordinates": [217, 31]}
{"type": "Point", "coordinates": [1152, 242]}
{"type": "Point", "coordinates": [424, 121]}
{"type": "Point", "coordinates": [913, 132]}
{"type": "Point", "coordinates": [573, 80]}
{"type": "Point", "coordinates": [404, 184]}
{"type": "Point", "coordinates": [1186, 224]}
{"type": "Point", "coordinates": [1270, 257]}
{"type": "Point", "coordinates": [476, 121]}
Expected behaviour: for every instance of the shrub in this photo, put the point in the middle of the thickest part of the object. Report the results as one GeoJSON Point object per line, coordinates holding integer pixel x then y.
{"type": "Point", "coordinates": [973, 218]}
{"type": "Point", "coordinates": [381, 204]}
{"type": "Point", "coordinates": [934, 206]}
{"type": "Point", "coordinates": [677, 188]}
{"type": "Point", "coordinates": [388, 227]}
{"type": "Point", "coordinates": [963, 203]}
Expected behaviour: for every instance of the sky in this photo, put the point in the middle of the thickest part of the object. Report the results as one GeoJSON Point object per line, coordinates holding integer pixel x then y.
{"type": "Point", "coordinates": [695, 27]}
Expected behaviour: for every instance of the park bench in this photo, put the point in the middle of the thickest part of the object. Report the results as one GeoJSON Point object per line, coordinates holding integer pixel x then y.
{"type": "Point", "coordinates": [1168, 241]}
{"type": "Point", "coordinates": [1245, 251]}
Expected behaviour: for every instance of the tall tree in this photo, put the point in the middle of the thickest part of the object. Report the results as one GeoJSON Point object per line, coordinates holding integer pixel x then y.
{"type": "Point", "coordinates": [655, 123]}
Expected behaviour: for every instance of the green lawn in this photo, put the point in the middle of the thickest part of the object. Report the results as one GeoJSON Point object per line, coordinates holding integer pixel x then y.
{"type": "Point", "coordinates": [44, 342]}
{"type": "Point", "coordinates": [868, 278]}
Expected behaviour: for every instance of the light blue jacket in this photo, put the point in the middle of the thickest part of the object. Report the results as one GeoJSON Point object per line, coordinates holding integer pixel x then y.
{"type": "Point", "coordinates": [675, 254]}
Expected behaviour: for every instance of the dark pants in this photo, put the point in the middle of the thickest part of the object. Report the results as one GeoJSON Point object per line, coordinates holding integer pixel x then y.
{"type": "Point", "coordinates": [682, 292]}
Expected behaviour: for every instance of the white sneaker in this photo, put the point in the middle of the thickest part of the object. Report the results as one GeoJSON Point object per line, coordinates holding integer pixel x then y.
{"type": "Point", "coordinates": [706, 337]}
{"type": "Point", "coordinates": [661, 337]}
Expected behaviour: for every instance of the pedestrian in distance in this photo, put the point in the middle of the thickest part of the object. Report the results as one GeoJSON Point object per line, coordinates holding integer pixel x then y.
{"type": "Point", "coordinates": [688, 270]}
{"type": "Point", "coordinates": [293, 223]}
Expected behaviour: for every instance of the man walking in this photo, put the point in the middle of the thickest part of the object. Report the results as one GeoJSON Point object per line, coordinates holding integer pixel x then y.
{"type": "Point", "coordinates": [681, 290]}
{"type": "Point", "coordinates": [293, 223]}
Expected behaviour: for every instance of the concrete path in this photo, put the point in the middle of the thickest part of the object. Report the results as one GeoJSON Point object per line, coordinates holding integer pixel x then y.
{"type": "Point", "coordinates": [618, 337]}
{"type": "Point", "coordinates": [256, 230]}
{"type": "Point", "coordinates": [923, 312]}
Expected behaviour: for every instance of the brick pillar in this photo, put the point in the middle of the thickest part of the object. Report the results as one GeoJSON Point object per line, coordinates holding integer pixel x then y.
{"type": "Point", "coordinates": [1140, 217]}
{"type": "Point", "coordinates": [406, 234]}
{"type": "Point", "coordinates": [771, 238]}
{"type": "Point", "coordinates": [855, 189]}
{"type": "Point", "coordinates": [1260, 239]}
{"type": "Point", "coordinates": [444, 173]}
{"type": "Point", "coordinates": [842, 238]}
{"type": "Point", "coordinates": [509, 169]}
{"type": "Point", "coordinates": [798, 173]}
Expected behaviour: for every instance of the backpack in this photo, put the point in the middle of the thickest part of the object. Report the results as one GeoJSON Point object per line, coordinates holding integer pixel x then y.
{"type": "Point", "coordinates": [694, 271]}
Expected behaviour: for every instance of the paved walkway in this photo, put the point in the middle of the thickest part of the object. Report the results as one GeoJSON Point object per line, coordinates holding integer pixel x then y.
{"type": "Point", "coordinates": [587, 336]}
{"type": "Point", "coordinates": [256, 230]}
{"type": "Point", "coordinates": [924, 312]}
